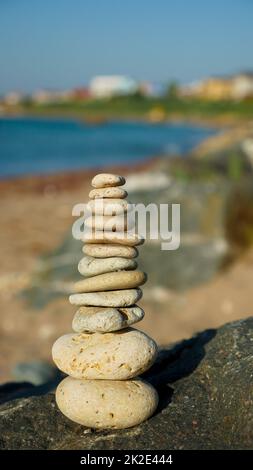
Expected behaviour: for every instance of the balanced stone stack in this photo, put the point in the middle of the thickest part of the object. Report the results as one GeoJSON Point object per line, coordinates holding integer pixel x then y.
{"type": "Point", "coordinates": [104, 355]}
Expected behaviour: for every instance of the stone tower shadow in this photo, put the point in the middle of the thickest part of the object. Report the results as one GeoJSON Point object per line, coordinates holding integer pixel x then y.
{"type": "Point", "coordinates": [176, 362]}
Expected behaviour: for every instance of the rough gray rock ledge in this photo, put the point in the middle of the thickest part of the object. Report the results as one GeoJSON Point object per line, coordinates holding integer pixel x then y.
{"type": "Point", "coordinates": [206, 402]}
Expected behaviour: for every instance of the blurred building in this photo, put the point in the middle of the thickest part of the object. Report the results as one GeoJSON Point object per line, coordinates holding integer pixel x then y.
{"type": "Point", "coordinates": [235, 87]}
{"type": "Point", "coordinates": [112, 85]}
{"type": "Point", "coordinates": [13, 98]}
{"type": "Point", "coordinates": [243, 85]}
{"type": "Point", "coordinates": [50, 96]}
{"type": "Point", "coordinates": [152, 89]}
{"type": "Point", "coordinates": [81, 93]}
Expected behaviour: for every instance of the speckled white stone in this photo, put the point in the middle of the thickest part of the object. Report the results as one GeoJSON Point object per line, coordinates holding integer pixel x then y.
{"type": "Point", "coordinates": [116, 298]}
{"type": "Point", "coordinates": [111, 281]}
{"type": "Point", "coordinates": [105, 180]}
{"type": "Point", "coordinates": [108, 206]}
{"type": "Point", "coordinates": [89, 266]}
{"type": "Point", "coordinates": [107, 251]}
{"type": "Point", "coordinates": [122, 238]}
{"type": "Point", "coordinates": [115, 223]}
{"type": "Point", "coordinates": [106, 404]}
{"type": "Point", "coordinates": [105, 319]}
{"type": "Point", "coordinates": [110, 356]}
{"type": "Point", "coordinates": [113, 193]}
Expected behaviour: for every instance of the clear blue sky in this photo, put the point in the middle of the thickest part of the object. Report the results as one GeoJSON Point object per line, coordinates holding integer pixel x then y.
{"type": "Point", "coordinates": [63, 43]}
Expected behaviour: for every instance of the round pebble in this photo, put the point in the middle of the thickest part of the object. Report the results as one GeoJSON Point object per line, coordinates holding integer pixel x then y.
{"type": "Point", "coordinates": [114, 193]}
{"type": "Point", "coordinates": [111, 281]}
{"type": "Point", "coordinates": [109, 206]}
{"type": "Point", "coordinates": [116, 298]}
{"type": "Point", "coordinates": [105, 319]}
{"type": "Point", "coordinates": [122, 238]}
{"type": "Point", "coordinates": [89, 266]}
{"type": "Point", "coordinates": [114, 223]}
{"type": "Point", "coordinates": [112, 356]}
{"type": "Point", "coordinates": [105, 404]}
{"type": "Point", "coordinates": [110, 250]}
{"type": "Point", "coordinates": [105, 180]}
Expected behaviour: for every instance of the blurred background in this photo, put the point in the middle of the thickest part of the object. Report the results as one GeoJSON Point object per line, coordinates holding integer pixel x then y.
{"type": "Point", "coordinates": [161, 92]}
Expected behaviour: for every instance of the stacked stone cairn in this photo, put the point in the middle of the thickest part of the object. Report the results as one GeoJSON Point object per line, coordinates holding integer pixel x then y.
{"type": "Point", "coordinates": [104, 355]}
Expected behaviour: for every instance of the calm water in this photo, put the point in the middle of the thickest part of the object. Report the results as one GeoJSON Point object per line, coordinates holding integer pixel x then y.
{"type": "Point", "coordinates": [43, 145]}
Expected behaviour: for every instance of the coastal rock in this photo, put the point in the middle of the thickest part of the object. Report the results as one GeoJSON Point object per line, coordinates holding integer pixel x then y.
{"type": "Point", "coordinates": [110, 356]}
{"type": "Point", "coordinates": [105, 403]}
{"type": "Point", "coordinates": [107, 251]}
{"type": "Point", "coordinates": [89, 266]}
{"type": "Point", "coordinates": [114, 193]}
{"type": "Point", "coordinates": [111, 281]}
{"type": "Point", "coordinates": [205, 390]}
{"type": "Point", "coordinates": [104, 320]}
{"type": "Point", "coordinates": [105, 180]}
{"type": "Point", "coordinates": [109, 206]}
{"type": "Point", "coordinates": [116, 298]}
{"type": "Point", "coordinates": [147, 180]}
{"type": "Point", "coordinates": [114, 223]}
{"type": "Point", "coordinates": [122, 238]}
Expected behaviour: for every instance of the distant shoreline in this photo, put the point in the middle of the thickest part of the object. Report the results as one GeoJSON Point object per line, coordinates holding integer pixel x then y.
{"type": "Point", "coordinates": [216, 122]}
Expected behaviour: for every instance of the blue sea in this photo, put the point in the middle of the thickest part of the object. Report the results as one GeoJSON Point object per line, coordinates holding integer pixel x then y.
{"type": "Point", "coordinates": [36, 146]}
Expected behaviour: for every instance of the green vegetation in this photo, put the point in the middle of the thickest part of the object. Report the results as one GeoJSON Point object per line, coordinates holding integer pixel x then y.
{"type": "Point", "coordinates": [140, 107]}
{"type": "Point", "coordinates": [172, 90]}
{"type": "Point", "coordinates": [239, 225]}
{"type": "Point", "coordinates": [235, 167]}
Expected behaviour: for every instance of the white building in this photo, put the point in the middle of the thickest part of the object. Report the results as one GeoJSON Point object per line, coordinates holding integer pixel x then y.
{"type": "Point", "coordinates": [111, 85]}
{"type": "Point", "coordinates": [243, 85]}
{"type": "Point", "coordinates": [13, 98]}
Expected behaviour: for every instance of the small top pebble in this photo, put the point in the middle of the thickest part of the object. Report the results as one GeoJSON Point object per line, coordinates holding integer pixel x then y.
{"type": "Point", "coordinates": [105, 180]}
